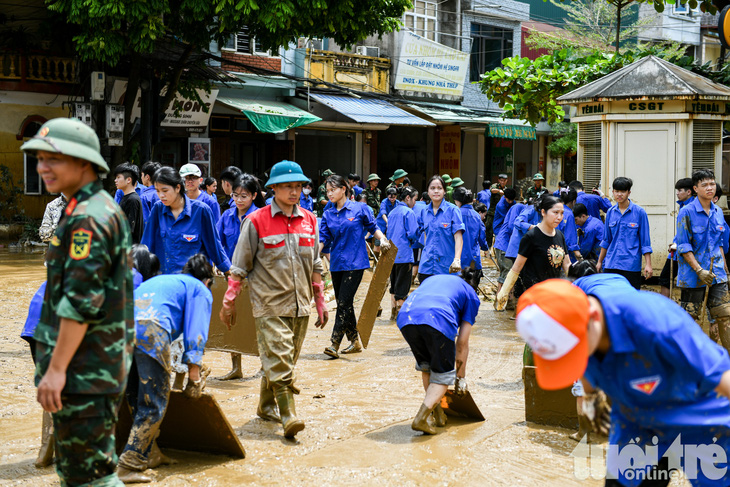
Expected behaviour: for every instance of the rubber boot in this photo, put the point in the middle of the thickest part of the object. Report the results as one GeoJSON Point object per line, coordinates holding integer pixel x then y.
{"type": "Point", "coordinates": [157, 458]}
{"type": "Point", "coordinates": [235, 372]}
{"type": "Point", "coordinates": [285, 400]}
{"type": "Point", "coordinates": [723, 324]}
{"type": "Point", "coordinates": [439, 416]}
{"type": "Point", "coordinates": [45, 455]}
{"type": "Point", "coordinates": [267, 403]}
{"type": "Point", "coordinates": [129, 476]}
{"type": "Point", "coordinates": [420, 422]}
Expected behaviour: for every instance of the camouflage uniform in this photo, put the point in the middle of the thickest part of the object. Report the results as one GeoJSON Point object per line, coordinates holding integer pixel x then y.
{"type": "Point", "coordinates": [535, 193]}
{"type": "Point", "coordinates": [90, 281]}
{"type": "Point", "coordinates": [321, 195]}
{"type": "Point", "coordinates": [372, 199]}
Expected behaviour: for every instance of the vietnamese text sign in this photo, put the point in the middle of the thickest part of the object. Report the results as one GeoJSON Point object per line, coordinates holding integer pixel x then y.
{"type": "Point", "coordinates": [449, 149]}
{"type": "Point", "coordinates": [427, 66]}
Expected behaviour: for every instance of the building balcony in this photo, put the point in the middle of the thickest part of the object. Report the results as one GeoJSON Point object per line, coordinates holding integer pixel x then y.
{"type": "Point", "coordinates": [37, 68]}
{"type": "Point", "coordinates": [362, 73]}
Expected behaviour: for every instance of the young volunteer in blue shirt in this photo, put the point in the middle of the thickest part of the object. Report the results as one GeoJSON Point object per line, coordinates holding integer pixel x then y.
{"type": "Point", "coordinates": [418, 208]}
{"type": "Point", "coordinates": [593, 202]}
{"type": "Point", "coordinates": [440, 227]}
{"type": "Point", "coordinates": [305, 200]}
{"type": "Point", "coordinates": [474, 233]}
{"type": "Point", "coordinates": [525, 221]}
{"type": "Point", "coordinates": [700, 238]}
{"type": "Point", "coordinates": [403, 232]}
{"type": "Point", "coordinates": [562, 188]}
{"type": "Point", "coordinates": [505, 203]}
{"type": "Point", "coordinates": [485, 195]}
{"type": "Point", "coordinates": [247, 197]}
{"type": "Point", "coordinates": [353, 180]}
{"type": "Point", "coordinates": [193, 177]}
{"type": "Point", "coordinates": [149, 194]}
{"type": "Point", "coordinates": [226, 178]}
{"type": "Point", "coordinates": [386, 206]}
{"type": "Point", "coordinates": [590, 232]}
{"type": "Point", "coordinates": [179, 227]}
{"type": "Point", "coordinates": [436, 321]}
{"type": "Point", "coordinates": [625, 236]}
{"type": "Point", "coordinates": [119, 194]}
{"type": "Point", "coordinates": [567, 226]}
{"type": "Point", "coordinates": [668, 382]}
{"type": "Point", "coordinates": [684, 190]}
{"type": "Point", "coordinates": [343, 228]}
{"type": "Point", "coordinates": [165, 308]}
{"type": "Point", "coordinates": [501, 242]}
{"type": "Point", "coordinates": [543, 253]}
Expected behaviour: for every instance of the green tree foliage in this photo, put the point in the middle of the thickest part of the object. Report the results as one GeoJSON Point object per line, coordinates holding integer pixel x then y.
{"type": "Point", "coordinates": [565, 139]}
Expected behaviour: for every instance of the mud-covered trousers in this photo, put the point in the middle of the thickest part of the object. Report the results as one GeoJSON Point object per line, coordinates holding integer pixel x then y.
{"type": "Point", "coordinates": [148, 392]}
{"type": "Point", "coordinates": [85, 444]}
{"type": "Point", "coordinates": [345, 284]}
{"type": "Point", "coordinates": [280, 340]}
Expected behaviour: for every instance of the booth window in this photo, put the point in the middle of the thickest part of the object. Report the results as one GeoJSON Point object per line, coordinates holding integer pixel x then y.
{"type": "Point", "coordinates": [706, 136]}
{"type": "Point", "coordinates": [589, 166]}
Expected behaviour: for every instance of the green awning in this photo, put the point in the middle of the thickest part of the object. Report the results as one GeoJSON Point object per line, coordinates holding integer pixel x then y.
{"type": "Point", "coordinates": [511, 131]}
{"type": "Point", "coordinates": [270, 116]}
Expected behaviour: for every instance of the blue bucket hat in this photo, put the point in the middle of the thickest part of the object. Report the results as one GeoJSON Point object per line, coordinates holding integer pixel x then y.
{"type": "Point", "coordinates": [286, 172]}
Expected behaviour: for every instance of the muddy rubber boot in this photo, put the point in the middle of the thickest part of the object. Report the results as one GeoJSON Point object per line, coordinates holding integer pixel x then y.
{"type": "Point", "coordinates": [393, 313]}
{"type": "Point", "coordinates": [45, 454]}
{"type": "Point", "coordinates": [129, 476]}
{"type": "Point", "coordinates": [235, 372]}
{"type": "Point", "coordinates": [420, 422]}
{"type": "Point", "coordinates": [723, 325]}
{"type": "Point", "coordinates": [439, 416]}
{"type": "Point", "coordinates": [267, 403]}
{"type": "Point", "coordinates": [157, 458]}
{"type": "Point", "coordinates": [285, 400]}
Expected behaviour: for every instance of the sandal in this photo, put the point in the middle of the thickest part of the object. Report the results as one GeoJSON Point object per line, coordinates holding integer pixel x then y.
{"type": "Point", "coordinates": [332, 352]}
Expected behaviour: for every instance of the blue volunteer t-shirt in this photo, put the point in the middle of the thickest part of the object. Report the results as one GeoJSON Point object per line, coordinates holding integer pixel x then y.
{"type": "Point", "coordinates": [438, 237]}
{"type": "Point", "coordinates": [402, 232]}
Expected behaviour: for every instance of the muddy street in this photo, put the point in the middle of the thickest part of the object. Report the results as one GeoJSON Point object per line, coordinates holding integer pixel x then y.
{"type": "Point", "coordinates": [357, 410]}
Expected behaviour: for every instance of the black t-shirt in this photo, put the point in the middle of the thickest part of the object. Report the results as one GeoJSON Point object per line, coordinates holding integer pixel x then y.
{"type": "Point", "coordinates": [132, 207]}
{"type": "Point", "coordinates": [544, 254]}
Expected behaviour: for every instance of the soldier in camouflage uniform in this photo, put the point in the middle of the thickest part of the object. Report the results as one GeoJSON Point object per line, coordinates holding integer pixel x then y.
{"type": "Point", "coordinates": [397, 180]}
{"type": "Point", "coordinates": [372, 193]}
{"type": "Point", "coordinates": [84, 338]}
{"type": "Point", "coordinates": [496, 192]}
{"type": "Point", "coordinates": [322, 199]}
{"type": "Point", "coordinates": [537, 189]}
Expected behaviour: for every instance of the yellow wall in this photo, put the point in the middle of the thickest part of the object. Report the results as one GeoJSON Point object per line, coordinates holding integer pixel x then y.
{"type": "Point", "coordinates": [11, 120]}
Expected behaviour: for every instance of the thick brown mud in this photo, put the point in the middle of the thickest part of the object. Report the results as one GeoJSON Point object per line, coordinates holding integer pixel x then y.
{"type": "Point", "coordinates": [357, 410]}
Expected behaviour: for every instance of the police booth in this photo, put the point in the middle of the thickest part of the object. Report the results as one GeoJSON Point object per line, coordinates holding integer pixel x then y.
{"type": "Point", "coordinates": [655, 123]}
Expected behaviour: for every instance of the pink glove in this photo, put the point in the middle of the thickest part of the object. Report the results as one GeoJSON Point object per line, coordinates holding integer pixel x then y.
{"type": "Point", "coordinates": [321, 306]}
{"type": "Point", "coordinates": [229, 301]}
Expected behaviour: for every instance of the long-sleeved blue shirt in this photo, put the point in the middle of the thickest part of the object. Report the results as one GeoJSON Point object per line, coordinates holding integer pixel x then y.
{"type": "Point", "coordinates": [485, 196]}
{"type": "Point", "coordinates": [212, 203]}
{"type": "Point", "coordinates": [306, 202]}
{"type": "Point", "coordinates": [168, 306]}
{"type": "Point", "coordinates": [501, 239]}
{"type": "Point", "coordinates": [626, 238]}
{"type": "Point", "coordinates": [567, 226]}
{"type": "Point", "coordinates": [120, 194]}
{"type": "Point", "coordinates": [499, 213]}
{"type": "Point", "coordinates": [175, 241]}
{"type": "Point", "coordinates": [403, 232]}
{"type": "Point", "coordinates": [474, 237]}
{"type": "Point", "coordinates": [441, 302]}
{"type": "Point", "coordinates": [592, 236]}
{"type": "Point", "coordinates": [704, 236]}
{"type": "Point", "coordinates": [356, 190]}
{"type": "Point", "coordinates": [527, 218]}
{"type": "Point", "coordinates": [593, 203]}
{"type": "Point", "coordinates": [344, 232]}
{"type": "Point", "coordinates": [681, 205]}
{"type": "Point", "coordinates": [437, 233]}
{"type": "Point", "coordinates": [385, 208]}
{"type": "Point", "coordinates": [149, 198]}
{"type": "Point", "coordinates": [229, 228]}
{"type": "Point", "coordinates": [34, 312]}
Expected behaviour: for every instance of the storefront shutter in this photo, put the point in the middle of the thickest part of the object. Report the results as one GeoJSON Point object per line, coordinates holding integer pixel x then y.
{"type": "Point", "coordinates": [589, 165]}
{"type": "Point", "coordinates": [706, 135]}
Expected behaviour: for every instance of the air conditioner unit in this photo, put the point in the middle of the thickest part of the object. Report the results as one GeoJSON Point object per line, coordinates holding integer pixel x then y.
{"type": "Point", "coordinates": [372, 51]}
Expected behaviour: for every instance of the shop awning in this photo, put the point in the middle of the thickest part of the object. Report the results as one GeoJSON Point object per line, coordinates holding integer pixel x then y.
{"type": "Point", "coordinates": [371, 110]}
{"type": "Point", "coordinates": [507, 129]}
{"type": "Point", "coordinates": [270, 116]}
{"type": "Point", "coordinates": [451, 113]}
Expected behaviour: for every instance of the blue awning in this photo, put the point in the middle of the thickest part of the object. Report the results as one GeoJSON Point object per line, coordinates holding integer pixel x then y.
{"type": "Point", "coordinates": [370, 110]}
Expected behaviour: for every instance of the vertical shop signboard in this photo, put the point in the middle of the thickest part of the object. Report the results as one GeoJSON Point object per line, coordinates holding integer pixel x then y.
{"type": "Point", "coordinates": [450, 150]}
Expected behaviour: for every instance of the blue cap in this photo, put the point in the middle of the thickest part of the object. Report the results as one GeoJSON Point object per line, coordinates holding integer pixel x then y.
{"type": "Point", "coordinates": [286, 172]}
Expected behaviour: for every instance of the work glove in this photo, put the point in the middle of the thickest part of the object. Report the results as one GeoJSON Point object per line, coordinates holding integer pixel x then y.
{"type": "Point", "coordinates": [384, 245]}
{"type": "Point", "coordinates": [705, 277]}
{"type": "Point", "coordinates": [455, 266]}
{"type": "Point", "coordinates": [460, 388]}
{"type": "Point", "coordinates": [598, 411]}
{"type": "Point", "coordinates": [228, 310]}
{"type": "Point", "coordinates": [503, 295]}
{"type": "Point", "coordinates": [319, 303]}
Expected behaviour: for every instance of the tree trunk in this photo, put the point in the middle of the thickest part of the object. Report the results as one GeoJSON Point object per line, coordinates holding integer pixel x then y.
{"type": "Point", "coordinates": [619, 6]}
{"type": "Point", "coordinates": [130, 97]}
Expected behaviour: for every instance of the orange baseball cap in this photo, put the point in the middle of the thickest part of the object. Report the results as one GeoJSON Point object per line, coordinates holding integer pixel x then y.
{"type": "Point", "coordinates": [552, 317]}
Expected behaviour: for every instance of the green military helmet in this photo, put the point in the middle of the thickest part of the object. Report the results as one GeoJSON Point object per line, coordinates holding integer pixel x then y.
{"type": "Point", "coordinates": [456, 182]}
{"type": "Point", "coordinates": [327, 173]}
{"type": "Point", "coordinates": [373, 177]}
{"type": "Point", "coordinates": [538, 176]}
{"type": "Point", "coordinates": [68, 136]}
{"type": "Point", "coordinates": [446, 178]}
{"type": "Point", "coordinates": [286, 172]}
{"type": "Point", "coordinates": [399, 173]}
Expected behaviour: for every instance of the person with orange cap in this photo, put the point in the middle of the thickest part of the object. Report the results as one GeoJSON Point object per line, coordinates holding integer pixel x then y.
{"type": "Point", "coordinates": [668, 382]}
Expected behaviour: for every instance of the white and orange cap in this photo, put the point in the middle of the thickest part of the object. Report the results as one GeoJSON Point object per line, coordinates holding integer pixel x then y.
{"type": "Point", "coordinates": [552, 317]}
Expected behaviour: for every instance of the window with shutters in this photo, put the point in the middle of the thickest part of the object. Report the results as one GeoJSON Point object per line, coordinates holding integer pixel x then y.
{"type": "Point", "coordinates": [244, 43]}
{"type": "Point", "coordinates": [589, 166]}
{"type": "Point", "coordinates": [706, 136]}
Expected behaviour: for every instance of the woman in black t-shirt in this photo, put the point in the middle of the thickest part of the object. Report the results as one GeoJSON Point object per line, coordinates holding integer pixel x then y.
{"type": "Point", "coordinates": [542, 254]}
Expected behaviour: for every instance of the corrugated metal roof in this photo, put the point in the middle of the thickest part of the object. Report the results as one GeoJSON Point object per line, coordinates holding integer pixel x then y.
{"type": "Point", "coordinates": [649, 78]}
{"type": "Point", "coordinates": [370, 110]}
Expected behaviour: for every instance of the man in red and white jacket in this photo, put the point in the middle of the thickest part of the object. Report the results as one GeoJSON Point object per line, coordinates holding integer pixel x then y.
{"type": "Point", "coordinates": [278, 251]}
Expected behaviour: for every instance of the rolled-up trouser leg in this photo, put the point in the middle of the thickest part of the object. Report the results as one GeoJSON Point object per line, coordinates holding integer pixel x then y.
{"type": "Point", "coordinates": [280, 341]}
{"type": "Point", "coordinates": [153, 394]}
